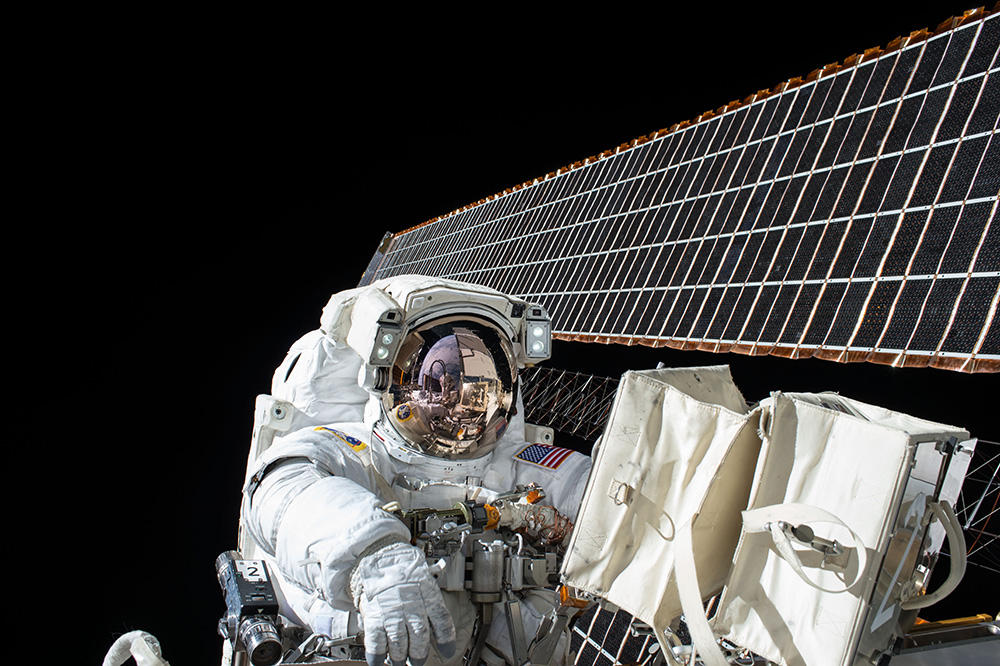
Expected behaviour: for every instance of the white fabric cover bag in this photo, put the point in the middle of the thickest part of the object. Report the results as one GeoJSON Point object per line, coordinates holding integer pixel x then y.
{"type": "Point", "coordinates": [678, 443]}
{"type": "Point", "coordinates": [839, 467]}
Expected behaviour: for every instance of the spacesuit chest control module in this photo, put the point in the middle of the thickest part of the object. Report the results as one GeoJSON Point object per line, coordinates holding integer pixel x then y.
{"type": "Point", "coordinates": [393, 495]}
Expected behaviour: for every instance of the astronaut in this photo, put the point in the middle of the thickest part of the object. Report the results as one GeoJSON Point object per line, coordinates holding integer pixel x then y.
{"type": "Point", "coordinates": [406, 397]}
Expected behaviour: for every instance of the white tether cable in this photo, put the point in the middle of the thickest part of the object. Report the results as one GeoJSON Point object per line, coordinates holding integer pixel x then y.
{"type": "Point", "coordinates": [138, 644]}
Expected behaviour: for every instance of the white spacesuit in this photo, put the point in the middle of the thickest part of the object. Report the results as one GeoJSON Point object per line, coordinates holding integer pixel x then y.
{"type": "Point", "coordinates": [405, 398]}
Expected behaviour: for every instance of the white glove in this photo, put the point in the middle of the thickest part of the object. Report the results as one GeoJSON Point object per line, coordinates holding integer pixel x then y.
{"type": "Point", "coordinates": [400, 603]}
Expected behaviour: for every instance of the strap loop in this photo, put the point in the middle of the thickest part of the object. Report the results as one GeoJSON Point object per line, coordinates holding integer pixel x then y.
{"type": "Point", "coordinates": [768, 519]}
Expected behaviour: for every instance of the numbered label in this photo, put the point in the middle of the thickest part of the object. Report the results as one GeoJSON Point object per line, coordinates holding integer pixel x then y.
{"type": "Point", "coordinates": [253, 571]}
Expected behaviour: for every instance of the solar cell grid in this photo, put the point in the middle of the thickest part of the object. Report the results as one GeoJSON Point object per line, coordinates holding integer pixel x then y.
{"type": "Point", "coordinates": [850, 216]}
{"type": "Point", "coordinates": [825, 309]}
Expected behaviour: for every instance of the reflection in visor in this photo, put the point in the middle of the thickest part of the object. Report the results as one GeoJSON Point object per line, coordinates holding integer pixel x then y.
{"type": "Point", "coordinates": [452, 388]}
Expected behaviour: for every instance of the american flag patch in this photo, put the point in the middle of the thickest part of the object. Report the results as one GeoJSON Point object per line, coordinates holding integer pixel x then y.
{"type": "Point", "coordinates": [544, 455]}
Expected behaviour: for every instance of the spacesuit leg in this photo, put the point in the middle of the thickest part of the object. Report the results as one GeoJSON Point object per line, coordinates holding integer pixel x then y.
{"type": "Point", "coordinates": [534, 606]}
{"type": "Point", "coordinates": [463, 613]}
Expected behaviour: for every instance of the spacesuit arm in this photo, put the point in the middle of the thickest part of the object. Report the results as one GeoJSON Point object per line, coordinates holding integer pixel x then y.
{"type": "Point", "coordinates": [316, 525]}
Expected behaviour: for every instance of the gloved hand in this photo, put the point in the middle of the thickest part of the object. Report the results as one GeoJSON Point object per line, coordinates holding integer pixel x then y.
{"type": "Point", "coordinates": [400, 604]}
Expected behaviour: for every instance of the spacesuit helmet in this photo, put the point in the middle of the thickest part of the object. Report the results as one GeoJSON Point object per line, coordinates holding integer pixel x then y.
{"type": "Point", "coordinates": [453, 386]}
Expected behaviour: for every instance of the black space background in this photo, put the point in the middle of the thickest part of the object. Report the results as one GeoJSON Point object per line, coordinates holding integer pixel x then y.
{"type": "Point", "coordinates": [192, 189]}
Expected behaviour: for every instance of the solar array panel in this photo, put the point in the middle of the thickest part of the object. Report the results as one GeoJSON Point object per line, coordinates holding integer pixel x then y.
{"type": "Point", "coordinates": [605, 638]}
{"type": "Point", "coordinates": [572, 403]}
{"type": "Point", "coordinates": [849, 215]}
